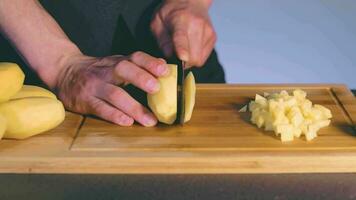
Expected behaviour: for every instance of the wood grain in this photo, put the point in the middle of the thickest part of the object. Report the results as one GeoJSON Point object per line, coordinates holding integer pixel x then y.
{"type": "Point", "coordinates": [48, 144]}
{"type": "Point", "coordinates": [218, 139]}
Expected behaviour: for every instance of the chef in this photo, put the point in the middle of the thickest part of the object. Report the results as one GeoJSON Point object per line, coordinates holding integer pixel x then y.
{"type": "Point", "coordinates": [88, 51]}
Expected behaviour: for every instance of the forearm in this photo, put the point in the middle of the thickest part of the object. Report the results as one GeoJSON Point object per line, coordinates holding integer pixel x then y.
{"type": "Point", "coordinates": [37, 37]}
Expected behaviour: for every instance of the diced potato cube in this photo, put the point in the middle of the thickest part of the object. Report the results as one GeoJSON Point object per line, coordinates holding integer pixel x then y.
{"type": "Point", "coordinates": [326, 112]}
{"type": "Point", "coordinates": [260, 121]}
{"type": "Point", "coordinates": [316, 114]}
{"type": "Point", "coordinates": [323, 123]}
{"type": "Point", "coordinates": [261, 100]}
{"type": "Point", "coordinates": [295, 116]}
{"type": "Point", "coordinates": [310, 135]}
{"type": "Point", "coordinates": [286, 132]}
{"type": "Point", "coordinates": [297, 132]}
{"type": "Point", "coordinates": [300, 94]}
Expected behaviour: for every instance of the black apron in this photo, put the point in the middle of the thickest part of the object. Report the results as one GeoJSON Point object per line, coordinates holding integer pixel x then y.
{"type": "Point", "coordinates": [108, 27]}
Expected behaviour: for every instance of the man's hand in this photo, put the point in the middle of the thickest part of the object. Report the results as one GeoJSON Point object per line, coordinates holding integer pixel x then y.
{"type": "Point", "coordinates": [184, 27]}
{"type": "Point", "coordinates": [92, 86]}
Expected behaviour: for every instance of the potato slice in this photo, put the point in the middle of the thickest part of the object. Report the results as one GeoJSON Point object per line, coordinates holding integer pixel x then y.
{"type": "Point", "coordinates": [189, 96]}
{"type": "Point", "coordinates": [2, 126]}
{"type": "Point", "coordinates": [33, 91]}
{"type": "Point", "coordinates": [164, 103]}
{"type": "Point", "coordinates": [31, 116]}
{"type": "Point", "coordinates": [11, 80]}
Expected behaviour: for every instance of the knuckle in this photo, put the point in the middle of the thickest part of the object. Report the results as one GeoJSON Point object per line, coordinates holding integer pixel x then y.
{"type": "Point", "coordinates": [114, 95]}
{"type": "Point", "coordinates": [137, 55]}
{"type": "Point", "coordinates": [135, 111]}
{"type": "Point", "coordinates": [120, 117]}
{"type": "Point", "coordinates": [121, 64]}
{"type": "Point", "coordinates": [142, 78]}
{"type": "Point", "coordinates": [153, 64]}
{"type": "Point", "coordinates": [97, 107]}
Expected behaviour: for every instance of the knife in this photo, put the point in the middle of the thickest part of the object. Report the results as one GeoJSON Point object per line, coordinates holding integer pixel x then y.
{"type": "Point", "coordinates": [180, 84]}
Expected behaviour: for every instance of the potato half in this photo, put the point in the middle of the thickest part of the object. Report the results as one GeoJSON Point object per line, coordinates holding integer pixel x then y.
{"type": "Point", "coordinates": [164, 103]}
{"type": "Point", "coordinates": [189, 96]}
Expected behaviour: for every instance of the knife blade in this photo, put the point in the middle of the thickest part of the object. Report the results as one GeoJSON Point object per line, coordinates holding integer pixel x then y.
{"type": "Point", "coordinates": [181, 102]}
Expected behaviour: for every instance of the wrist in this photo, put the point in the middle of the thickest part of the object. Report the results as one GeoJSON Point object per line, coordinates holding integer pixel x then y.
{"type": "Point", "coordinates": [50, 69]}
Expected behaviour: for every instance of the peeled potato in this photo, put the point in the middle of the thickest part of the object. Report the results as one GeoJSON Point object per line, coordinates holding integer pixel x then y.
{"type": "Point", "coordinates": [164, 102]}
{"type": "Point", "coordinates": [189, 96]}
{"type": "Point", "coordinates": [33, 91]}
{"type": "Point", "coordinates": [31, 116]}
{"type": "Point", "coordinates": [2, 126]}
{"type": "Point", "coordinates": [11, 80]}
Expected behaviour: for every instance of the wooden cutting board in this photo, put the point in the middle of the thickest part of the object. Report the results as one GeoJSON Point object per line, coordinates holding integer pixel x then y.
{"type": "Point", "coordinates": [218, 139]}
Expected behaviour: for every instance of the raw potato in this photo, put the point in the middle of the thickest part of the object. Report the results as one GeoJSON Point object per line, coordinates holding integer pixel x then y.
{"type": "Point", "coordinates": [164, 103]}
{"type": "Point", "coordinates": [33, 91]}
{"type": "Point", "coordinates": [31, 116]}
{"type": "Point", "coordinates": [2, 126]}
{"type": "Point", "coordinates": [11, 80]}
{"type": "Point", "coordinates": [289, 116]}
{"type": "Point", "coordinates": [189, 96]}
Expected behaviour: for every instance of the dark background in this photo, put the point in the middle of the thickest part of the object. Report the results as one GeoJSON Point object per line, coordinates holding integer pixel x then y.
{"type": "Point", "coordinates": [286, 186]}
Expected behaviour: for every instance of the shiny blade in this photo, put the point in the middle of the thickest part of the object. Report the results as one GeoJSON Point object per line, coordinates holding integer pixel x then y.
{"type": "Point", "coordinates": [181, 102]}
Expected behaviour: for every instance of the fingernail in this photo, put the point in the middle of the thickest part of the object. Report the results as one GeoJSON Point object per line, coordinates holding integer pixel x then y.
{"type": "Point", "coordinates": [162, 69]}
{"type": "Point", "coordinates": [149, 120]}
{"type": "Point", "coordinates": [184, 56]}
{"type": "Point", "coordinates": [153, 85]}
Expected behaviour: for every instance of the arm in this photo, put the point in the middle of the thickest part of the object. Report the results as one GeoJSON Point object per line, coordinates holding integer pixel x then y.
{"type": "Point", "coordinates": [85, 84]}
{"type": "Point", "coordinates": [37, 37]}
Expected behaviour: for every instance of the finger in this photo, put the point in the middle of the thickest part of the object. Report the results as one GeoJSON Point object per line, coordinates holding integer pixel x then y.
{"type": "Point", "coordinates": [196, 37]}
{"type": "Point", "coordinates": [162, 35]}
{"type": "Point", "coordinates": [208, 45]}
{"type": "Point", "coordinates": [107, 112]}
{"type": "Point", "coordinates": [124, 102]}
{"type": "Point", "coordinates": [181, 41]}
{"type": "Point", "coordinates": [137, 76]}
{"type": "Point", "coordinates": [155, 66]}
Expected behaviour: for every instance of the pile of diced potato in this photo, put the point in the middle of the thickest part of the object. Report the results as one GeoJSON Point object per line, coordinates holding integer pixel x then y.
{"type": "Point", "coordinates": [289, 116]}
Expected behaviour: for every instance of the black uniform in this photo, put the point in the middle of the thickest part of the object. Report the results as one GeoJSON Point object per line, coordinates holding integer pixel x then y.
{"type": "Point", "coordinates": [108, 27]}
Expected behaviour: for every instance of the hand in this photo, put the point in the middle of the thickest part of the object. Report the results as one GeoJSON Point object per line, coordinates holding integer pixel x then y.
{"type": "Point", "coordinates": [91, 85]}
{"type": "Point", "coordinates": [184, 27]}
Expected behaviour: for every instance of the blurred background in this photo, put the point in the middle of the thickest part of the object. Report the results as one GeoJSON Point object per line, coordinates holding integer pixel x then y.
{"type": "Point", "coordinates": [280, 41]}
